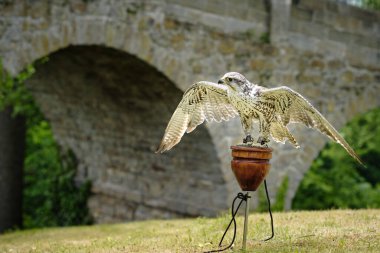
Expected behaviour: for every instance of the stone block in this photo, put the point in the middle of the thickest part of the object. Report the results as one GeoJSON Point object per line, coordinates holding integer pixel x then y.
{"type": "Point", "coordinates": [364, 78]}
{"type": "Point", "coordinates": [177, 41]}
{"type": "Point", "coordinates": [308, 28]}
{"type": "Point", "coordinates": [170, 23]}
{"type": "Point", "coordinates": [363, 57]}
{"type": "Point", "coordinates": [283, 78]}
{"type": "Point", "coordinates": [347, 76]}
{"type": "Point", "coordinates": [335, 64]}
{"type": "Point", "coordinates": [331, 6]}
{"type": "Point", "coordinates": [368, 28]}
{"type": "Point", "coordinates": [115, 33]}
{"type": "Point", "coordinates": [260, 64]}
{"type": "Point", "coordinates": [226, 47]}
{"type": "Point", "coordinates": [339, 36]}
{"type": "Point", "coordinates": [317, 64]}
{"type": "Point", "coordinates": [335, 49]}
{"type": "Point", "coordinates": [344, 23]}
{"type": "Point", "coordinates": [309, 78]}
{"type": "Point", "coordinates": [357, 13]}
{"type": "Point", "coordinates": [316, 5]}
{"type": "Point", "coordinates": [301, 14]}
{"type": "Point", "coordinates": [123, 212]}
{"type": "Point", "coordinates": [269, 50]}
{"type": "Point", "coordinates": [365, 41]}
{"type": "Point", "coordinates": [326, 18]}
{"type": "Point", "coordinates": [36, 9]}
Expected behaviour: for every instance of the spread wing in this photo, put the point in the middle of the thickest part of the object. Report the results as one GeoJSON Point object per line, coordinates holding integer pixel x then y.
{"type": "Point", "coordinates": [291, 106]}
{"type": "Point", "coordinates": [202, 101]}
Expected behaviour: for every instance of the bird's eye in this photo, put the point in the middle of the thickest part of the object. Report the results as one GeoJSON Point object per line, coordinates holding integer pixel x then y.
{"type": "Point", "coordinates": [229, 79]}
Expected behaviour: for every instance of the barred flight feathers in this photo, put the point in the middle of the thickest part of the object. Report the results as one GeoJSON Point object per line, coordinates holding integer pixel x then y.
{"type": "Point", "coordinates": [291, 106]}
{"type": "Point", "coordinates": [202, 101]}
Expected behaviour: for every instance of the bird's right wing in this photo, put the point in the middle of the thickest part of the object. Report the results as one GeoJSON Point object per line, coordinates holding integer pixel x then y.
{"type": "Point", "coordinates": [202, 101]}
{"type": "Point", "coordinates": [293, 107]}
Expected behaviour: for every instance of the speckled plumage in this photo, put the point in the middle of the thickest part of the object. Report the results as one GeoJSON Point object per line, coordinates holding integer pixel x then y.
{"type": "Point", "coordinates": [234, 95]}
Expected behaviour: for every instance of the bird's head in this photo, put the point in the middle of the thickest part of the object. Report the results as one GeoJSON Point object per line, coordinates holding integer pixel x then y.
{"type": "Point", "coordinates": [234, 81]}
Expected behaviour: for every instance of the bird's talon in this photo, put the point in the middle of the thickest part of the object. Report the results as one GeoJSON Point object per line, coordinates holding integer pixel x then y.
{"type": "Point", "coordinates": [263, 141]}
{"type": "Point", "coordinates": [248, 139]}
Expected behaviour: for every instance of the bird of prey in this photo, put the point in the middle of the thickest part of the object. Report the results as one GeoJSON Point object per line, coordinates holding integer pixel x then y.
{"type": "Point", "coordinates": [234, 95]}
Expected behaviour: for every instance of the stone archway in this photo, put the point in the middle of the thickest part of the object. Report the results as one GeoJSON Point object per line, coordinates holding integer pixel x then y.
{"type": "Point", "coordinates": [111, 109]}
{"type": "Point", "coordinates": [190, 42]}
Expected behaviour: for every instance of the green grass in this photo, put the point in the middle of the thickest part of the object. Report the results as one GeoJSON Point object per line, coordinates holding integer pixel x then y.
{"type": "Point", "coordinates": [322, 231]}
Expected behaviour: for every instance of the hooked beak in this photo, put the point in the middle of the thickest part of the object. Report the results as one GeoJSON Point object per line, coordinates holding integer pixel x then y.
{"type": "Point", "coordinates": [220, 81]}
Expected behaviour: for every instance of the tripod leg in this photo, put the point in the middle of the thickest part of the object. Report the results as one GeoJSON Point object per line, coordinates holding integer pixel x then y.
{"type": "Point", "coordinates": [270, 211]}
{"type": "Point", "coordinates": [246, 223]}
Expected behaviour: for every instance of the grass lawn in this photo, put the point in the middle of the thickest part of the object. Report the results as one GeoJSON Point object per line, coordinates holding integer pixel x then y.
{"type": "Point", "coordinates": [326, 231]}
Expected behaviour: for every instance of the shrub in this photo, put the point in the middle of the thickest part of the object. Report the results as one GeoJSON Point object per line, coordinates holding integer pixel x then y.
{"type": "Point", "coordinates": [51, 196]}
{"type": "Point", "coordinates": [335, 180]}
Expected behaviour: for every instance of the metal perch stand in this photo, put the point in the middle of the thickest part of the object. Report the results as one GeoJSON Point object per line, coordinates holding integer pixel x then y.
{"type": "Point", "coordinates": [250, 166]}
{"type": "Point", "coordinates": [246, 222]}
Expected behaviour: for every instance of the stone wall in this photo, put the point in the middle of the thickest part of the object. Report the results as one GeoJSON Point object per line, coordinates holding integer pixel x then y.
{"type": "Point", "coordinates": [338, 51]}
{"type": "Point", "coordinates": [338, 30]}
{"type": "Point", "coordinates": [115, 110]}
{"type": "Point", "coordinates": [98, 103]}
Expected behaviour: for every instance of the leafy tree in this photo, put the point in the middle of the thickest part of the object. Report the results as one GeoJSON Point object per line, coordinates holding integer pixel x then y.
{"type": "Point", "coordinates": [50, 196]}
{"type": "Point", "coordinates": [335, 180]}
{"type": "Point", "coordinates": [372, 4]}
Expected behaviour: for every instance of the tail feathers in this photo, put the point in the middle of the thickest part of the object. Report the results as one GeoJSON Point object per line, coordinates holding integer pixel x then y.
{"type": "Point", "coordinates": [280, 133]}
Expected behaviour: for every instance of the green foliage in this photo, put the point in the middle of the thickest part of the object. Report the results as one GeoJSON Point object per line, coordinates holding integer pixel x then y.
{"type": "Point", "coordinates": [14, 94]}
{"type": "Point", "coordinates": [335, 180]}
{"type": "Point", "coordinates": [279, 205]}
{"type": "Point", "coordinates": [250, 34]}
{"type": "Point", "coordinates": [366, 4]}
{"type": "Point", "coordinates": [371, 4]}
{"type": "Point", "coordinates": [265, 38]}
{"type": "Point", "coordinates": [263, 203]}
{"type": "Point", "coordinates": [51, 197]}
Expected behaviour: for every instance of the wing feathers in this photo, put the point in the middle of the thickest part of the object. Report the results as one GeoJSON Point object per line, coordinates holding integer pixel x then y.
{"type": "Point", "coordinates": [299, 110]}
{"type": "Point", "coordinates": [197, 119]}
{"type": "Point", "coordinates": [175, 129]}
{"type": "Point", "coordinates": [202, 101]}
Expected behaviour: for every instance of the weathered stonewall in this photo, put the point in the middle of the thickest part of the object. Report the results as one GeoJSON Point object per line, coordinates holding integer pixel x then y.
{"type": "Point", "coordinates": [117, 70]}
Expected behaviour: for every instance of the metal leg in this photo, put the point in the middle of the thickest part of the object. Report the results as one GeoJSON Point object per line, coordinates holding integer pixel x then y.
{"type": "Point", "coordinates": [242, 197]}
{"type": "Point", "coordinates": [246, 223]}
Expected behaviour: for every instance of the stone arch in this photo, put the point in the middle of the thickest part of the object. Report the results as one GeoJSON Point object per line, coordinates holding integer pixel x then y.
{"type": "Point", "coordinates": [111, 109]}
{"type": "Point", "coordinates": [189, 42]}
{"type": "Point", "coordinates": [132, 32]}
{"type": "Point", "coordinates": [151, 31]}
{"type": "Point", "coordinates": [72, 26]}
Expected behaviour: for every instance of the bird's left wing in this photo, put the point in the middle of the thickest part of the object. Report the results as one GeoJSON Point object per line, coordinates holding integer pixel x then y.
{"type": "Point", "coordinates": [202, 101]}
{"type": "Point", "coordinates": [291, 106]}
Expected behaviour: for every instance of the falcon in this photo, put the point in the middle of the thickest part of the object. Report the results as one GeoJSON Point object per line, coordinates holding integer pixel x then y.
{"type": "Point", "coordinates": [234, 95]}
